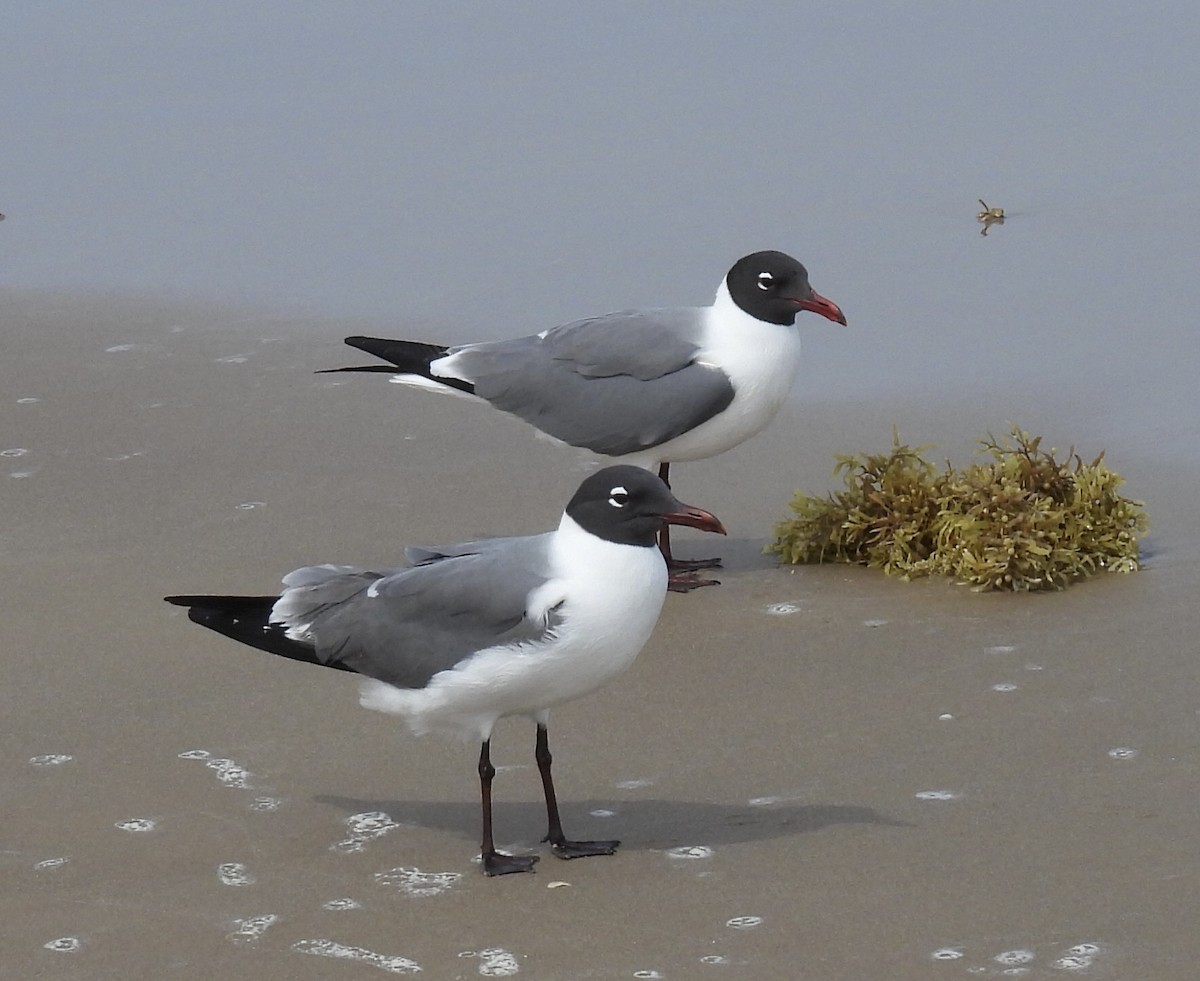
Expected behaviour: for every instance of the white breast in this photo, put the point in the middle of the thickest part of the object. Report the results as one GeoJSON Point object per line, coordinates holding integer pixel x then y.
{"type": "Point", "coordinates": [611, 597]}
{"type": "Point", "coordinates": [761, 361]}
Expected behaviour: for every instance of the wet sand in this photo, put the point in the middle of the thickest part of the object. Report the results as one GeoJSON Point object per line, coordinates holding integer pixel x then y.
{"type": "Point", "coordinates": [816, 772]}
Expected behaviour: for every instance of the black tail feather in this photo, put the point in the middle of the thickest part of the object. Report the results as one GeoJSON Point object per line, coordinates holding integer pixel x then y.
{"type": "Point", "coordinates": [406, 357]}
{"type": "Point", "coordinates": [247, 619]}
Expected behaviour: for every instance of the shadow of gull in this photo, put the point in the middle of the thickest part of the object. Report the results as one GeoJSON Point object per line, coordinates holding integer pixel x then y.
{"type": "Point", "coordinates": [646, 825]}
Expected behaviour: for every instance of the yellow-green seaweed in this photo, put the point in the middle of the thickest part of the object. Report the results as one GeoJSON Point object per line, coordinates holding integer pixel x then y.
{"type": "Point", "coordinates": [1019, 520]}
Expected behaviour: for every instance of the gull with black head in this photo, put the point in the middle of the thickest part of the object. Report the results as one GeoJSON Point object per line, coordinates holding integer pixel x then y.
{"type": "Point", "coordinates": [469, 634]}
{"type": "Point", "coordinates": [645, 387]}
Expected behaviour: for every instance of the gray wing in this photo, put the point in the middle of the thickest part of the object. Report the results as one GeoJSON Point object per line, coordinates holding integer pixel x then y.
{"type": "Point", "coordinates": [616, 384]}
{"type": "Point", "coordinates": [403, 626]}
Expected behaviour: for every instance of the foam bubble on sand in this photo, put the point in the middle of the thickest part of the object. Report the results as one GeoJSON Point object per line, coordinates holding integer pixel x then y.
{"type": "Point", "coordinates": [937, 795]}
{"type": "Point", "coordinates": [50, 759]}
{"type": "Point", "coordinates": [690, 851]}
{"type": "Point", "coordinates": [137, 825]}
{"type": "Point", "coordinates": [1005, 686]}
{"type": "Point", "coordinates": [781, 609]}
{"type": "Point", "coordinates": [265, 804]}
{"type": "Point", "coordinates": [1123, 753]}
{"type": "Point", "coordinates": [27, 401]}
{"type": "Point", "coordinates": [64, 945]}
{"type": "Point", "coordinates": [496, 962]}
{"type": "Point", "coordinates": [14, 452]}
{"type": "Point", "coordinates": [413, 882]}
{"type": "Point", "coordinates": [124, 348]}
{"type": "Point", "coordinates": [1014, 962]}
{"type": "Point", "coordinates": [341, 905]}
{"type": "Point", "coordinates": [633, 784]}
{"type": "Point", "coordinates": [250, 928]}
{"type": "Point", "coordinates": [392, 963]}
{"type": "Point", "coordinates": [364, 828]}
{"type": "Point", "coordinates": [251, 505]}
{"type": "Point", "coordinates": [1000, 649]}
{"type": "Point", "coordinates": [1013, 957]}
{"type": "Point", "coordinates": [744, 922]}
{"type": "Point", "coordinates": [602, 812]}
{"type": "Point", "coordinates": [1079, 957]}
{"type": "Point", "coordinates": [874, 623]}
{"type": "Point", "coordinates": [228, 772]}
{"type": "Point", "coordinates": [714, 959]}
{"type": "Point", "coordinates": [51, 863]}
{"type": "Point", "coordinates": [233, 359]}
{"type": "Point", "coordinates": [646, 974]}
{"type": "Point", "coordinates": [235, 874]}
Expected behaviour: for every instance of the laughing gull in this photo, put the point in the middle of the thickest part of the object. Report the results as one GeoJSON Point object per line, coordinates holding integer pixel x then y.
{"type": "Point", "coordinates": [468, 634]}
{"type": "Point", "coordinates": [645, 387]}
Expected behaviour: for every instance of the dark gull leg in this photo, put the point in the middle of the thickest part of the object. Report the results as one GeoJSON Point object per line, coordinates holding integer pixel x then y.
{"type": "Point", "coordinates": [494, 862]}
{"type": "Point", "coordinates": [681, 576]}
{"type": "Point", "coordinates": [558, 841]}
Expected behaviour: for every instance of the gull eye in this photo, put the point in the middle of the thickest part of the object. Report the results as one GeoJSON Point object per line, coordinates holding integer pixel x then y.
{"type": "Point", "coordinates": [618, 497]}
{"type": "Point", "coordinates": [765, 281]}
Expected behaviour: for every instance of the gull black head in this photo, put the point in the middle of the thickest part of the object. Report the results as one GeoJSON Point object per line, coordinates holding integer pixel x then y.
{"type": "Point", "coordinates": [629, 505]}
{"type": "Point", "coordinates": [773, 287]}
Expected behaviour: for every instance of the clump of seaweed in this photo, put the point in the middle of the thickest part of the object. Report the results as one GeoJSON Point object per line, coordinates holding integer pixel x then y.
{"type": "Point", "coordinates": [1019, 520]}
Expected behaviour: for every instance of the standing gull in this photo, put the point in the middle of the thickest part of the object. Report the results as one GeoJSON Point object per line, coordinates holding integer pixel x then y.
{"type": "Point", "coordinates": [469, 634]}
{"type": "Point", "coordinates": [644, 387]}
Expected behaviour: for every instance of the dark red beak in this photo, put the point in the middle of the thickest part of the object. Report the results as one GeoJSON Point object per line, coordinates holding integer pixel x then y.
{"type": "Point", "coordinates": [826, 308]}
{"type": "Point", "coordinates": [695, 518]}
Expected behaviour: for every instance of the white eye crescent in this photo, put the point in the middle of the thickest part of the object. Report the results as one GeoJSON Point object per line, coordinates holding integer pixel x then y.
{"type": "Point", "coordinates": [765, 280]}
{"type": "Point", "coordinates": [618, 497]}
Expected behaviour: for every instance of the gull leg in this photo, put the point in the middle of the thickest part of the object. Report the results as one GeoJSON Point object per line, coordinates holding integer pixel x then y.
{"type": "Point", "coordinates": [558, 841]}
{"type": "Point", "coordinates": [681, 576]}
{"type": "Point", "coordinates": [494, 862]}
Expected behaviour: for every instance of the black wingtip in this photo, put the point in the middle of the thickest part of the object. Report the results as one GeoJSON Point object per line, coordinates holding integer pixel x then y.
{"type": "Point", "coordinates": [387, 369]}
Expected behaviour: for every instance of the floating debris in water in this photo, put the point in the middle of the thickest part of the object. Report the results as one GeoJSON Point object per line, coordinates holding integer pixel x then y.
{"type": "Point", "coordinates": [1022, 520]}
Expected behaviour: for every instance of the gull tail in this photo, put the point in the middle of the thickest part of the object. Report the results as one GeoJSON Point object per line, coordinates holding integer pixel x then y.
{"type": "Point", "coordinates": [406, 357]}
{"type": "Point", "coordinates": [247, 619]}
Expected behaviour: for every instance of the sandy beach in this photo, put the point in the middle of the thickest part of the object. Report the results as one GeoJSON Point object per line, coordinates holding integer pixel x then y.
{"type": "Point", "coordinates": [816, 772]}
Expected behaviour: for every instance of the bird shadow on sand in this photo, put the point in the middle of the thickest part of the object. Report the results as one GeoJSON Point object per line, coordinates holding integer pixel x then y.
{"type": "Point", "coordinates": [646, 825]}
